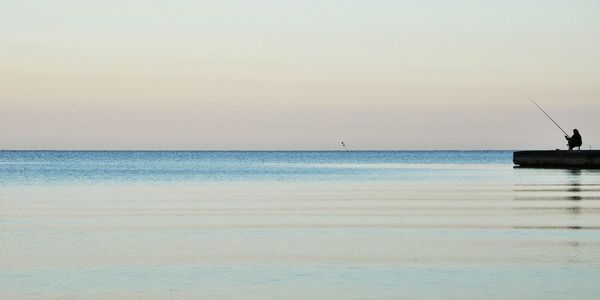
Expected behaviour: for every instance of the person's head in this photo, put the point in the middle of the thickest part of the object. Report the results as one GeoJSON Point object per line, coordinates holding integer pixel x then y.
{"type": "Point", "coordinates": [575, 131]}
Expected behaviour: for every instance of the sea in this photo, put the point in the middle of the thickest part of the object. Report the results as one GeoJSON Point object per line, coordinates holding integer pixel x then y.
{"type": "Point", "coordinates": [295, 225]}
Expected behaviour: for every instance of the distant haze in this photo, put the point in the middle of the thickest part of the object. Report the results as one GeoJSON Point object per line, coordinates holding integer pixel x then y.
{"type": "Point", "coordinates": [297, 74]}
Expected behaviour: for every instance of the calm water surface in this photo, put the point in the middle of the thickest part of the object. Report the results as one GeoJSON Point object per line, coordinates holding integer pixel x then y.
{"type": "Point", "coordinates": [295, 225]}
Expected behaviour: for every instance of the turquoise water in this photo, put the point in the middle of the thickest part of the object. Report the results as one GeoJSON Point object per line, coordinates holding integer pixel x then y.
{"type": "Point", "coordinates": [237, 166]}
{"type": "Point", "coordinates": [295, 225]}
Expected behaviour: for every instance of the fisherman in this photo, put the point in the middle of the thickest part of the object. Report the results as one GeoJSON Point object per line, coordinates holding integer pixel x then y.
{"type": "Point", "coordinates": [575, 140]}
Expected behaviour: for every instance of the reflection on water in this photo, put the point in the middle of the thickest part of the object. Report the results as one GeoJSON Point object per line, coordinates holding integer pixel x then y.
{"type": "Point", "coordinates": [575, 192]}
{"type": "Point", "coordinates": [575, 186]}
{"type": "Point", "coordinates": [569, 193]}
{"type": "Point", "coordinates": [372, 225]}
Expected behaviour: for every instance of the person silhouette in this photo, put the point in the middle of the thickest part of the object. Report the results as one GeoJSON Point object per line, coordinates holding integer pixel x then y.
{"type": "Point", "coordinates": [574, 140]}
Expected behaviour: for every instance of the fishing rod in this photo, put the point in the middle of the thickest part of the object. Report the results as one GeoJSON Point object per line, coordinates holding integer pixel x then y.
{"type": "Point", "coordinates": [566, 134]}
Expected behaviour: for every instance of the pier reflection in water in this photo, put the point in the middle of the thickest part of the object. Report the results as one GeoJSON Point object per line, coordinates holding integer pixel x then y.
{"type": "Point", "coordinates": [574, 198]}
{"type": "Point", "coordinates": [567, 190]}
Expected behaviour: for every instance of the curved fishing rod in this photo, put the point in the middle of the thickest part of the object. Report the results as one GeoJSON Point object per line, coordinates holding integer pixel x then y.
{"type": "Point", "coordinates": [566, 134]}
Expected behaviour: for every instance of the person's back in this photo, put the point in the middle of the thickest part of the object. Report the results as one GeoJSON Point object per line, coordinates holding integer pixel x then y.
{"type": "Point", "coordinates": [575, 140]}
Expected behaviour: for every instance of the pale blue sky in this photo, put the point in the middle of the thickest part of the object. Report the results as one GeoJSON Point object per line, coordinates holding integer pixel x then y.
{"type": "Point", "coordinates": [297, 74]}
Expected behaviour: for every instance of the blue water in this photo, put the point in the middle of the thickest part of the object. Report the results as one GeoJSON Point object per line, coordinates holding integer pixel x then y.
{"type": "Point", "coordinates": [295, 225]}
{"type": "Point", "coordinates": [56, 166]}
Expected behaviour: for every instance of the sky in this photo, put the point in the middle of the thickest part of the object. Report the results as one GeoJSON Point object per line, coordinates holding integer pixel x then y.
{"type": "Point", "coordinates": [297, 75]}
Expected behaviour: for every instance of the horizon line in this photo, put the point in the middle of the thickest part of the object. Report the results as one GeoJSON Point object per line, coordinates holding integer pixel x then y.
{"type": "Point", "coordinates": [250, 150]}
